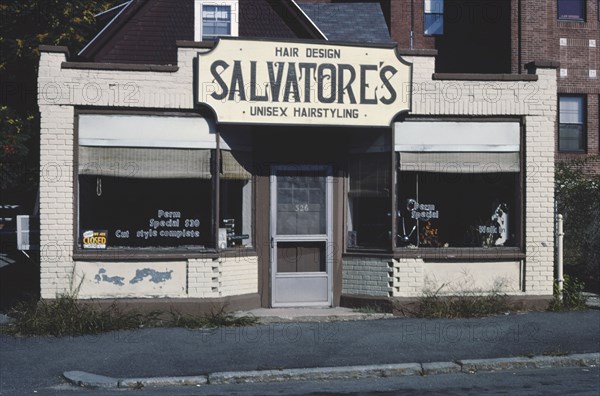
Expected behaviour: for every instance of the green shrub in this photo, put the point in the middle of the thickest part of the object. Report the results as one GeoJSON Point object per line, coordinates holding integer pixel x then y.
{"type": "Point", "coordinates": [572, 296]}
{"type": "Point", "coordinates": [578, 200]}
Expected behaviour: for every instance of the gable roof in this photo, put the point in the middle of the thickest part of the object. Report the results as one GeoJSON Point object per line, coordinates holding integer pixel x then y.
{"type": "Point", "coordinates": [146, 31]}
{"type": "Point", "coordinates": [350, 21]}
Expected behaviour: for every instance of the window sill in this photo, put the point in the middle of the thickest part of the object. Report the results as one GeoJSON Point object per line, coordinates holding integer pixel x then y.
{"type": "Point", "coordinates": [475, 253]}
{"type": "Point", "coordinates": [572, 151]}
{"type": "Point", "coordinates": [137, 255]}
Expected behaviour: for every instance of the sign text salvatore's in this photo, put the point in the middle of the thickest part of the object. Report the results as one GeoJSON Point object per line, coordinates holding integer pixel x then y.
{"type": "Point", "coordinates": [303, 83]}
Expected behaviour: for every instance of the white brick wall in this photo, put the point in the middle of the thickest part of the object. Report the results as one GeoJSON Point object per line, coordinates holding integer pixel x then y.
{"type": "Point", "coordinates": [59, 91]}
{"type": "Point", "coordinates": [535, 101]}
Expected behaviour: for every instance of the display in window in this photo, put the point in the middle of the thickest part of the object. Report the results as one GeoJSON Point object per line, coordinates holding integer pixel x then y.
{"type": "Point", "coordinates": [94, 239]}
{"type": "Point", "coordinates": [146, 212]}
{"type": "Point", "coordinates": [459, 210]}
{"type": "Point", "coordinates": [495, 232]}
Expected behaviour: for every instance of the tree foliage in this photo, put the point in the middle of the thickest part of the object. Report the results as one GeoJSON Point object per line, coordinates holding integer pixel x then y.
{"type": "Point", "coordinates": [578, 200]}
{"type": "Point", "coordinates": [24, 26]}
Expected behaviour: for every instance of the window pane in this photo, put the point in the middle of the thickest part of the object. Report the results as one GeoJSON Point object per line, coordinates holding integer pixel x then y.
{"type": "Point", "coordinates": [571, 9]}
{"type": "Point", "coordinates": [216, 21]}
{"type": "Point", "coordinates": [457, 210]}
{"type": "Point", "coordinates": [434, 24]}
{"type": "Point", "coordinates": [301, 206]}
{"type": "Point", "coordinates": [146, 212]}
{"type": "Point", "coordinates": [571, 109]}
{"type": "Point", "coordinates": [571, 137]}
{"type": "Point", "coordinates": [236, 213]}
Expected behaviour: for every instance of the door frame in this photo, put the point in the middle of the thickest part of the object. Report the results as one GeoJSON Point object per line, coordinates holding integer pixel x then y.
{"type": "Point", "coordinates": [327, 238]}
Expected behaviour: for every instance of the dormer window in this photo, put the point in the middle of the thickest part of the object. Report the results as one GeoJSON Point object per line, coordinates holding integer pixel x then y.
{"type": "Point", "coordinates": [215, 18]}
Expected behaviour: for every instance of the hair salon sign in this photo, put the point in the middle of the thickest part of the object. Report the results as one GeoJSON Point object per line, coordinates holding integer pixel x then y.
{"type": "Point", "coordinates": [266, 82]}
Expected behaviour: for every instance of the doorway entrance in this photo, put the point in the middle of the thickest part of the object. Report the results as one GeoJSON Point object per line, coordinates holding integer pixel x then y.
{"type": "Point", "coordinates": [301, 235]}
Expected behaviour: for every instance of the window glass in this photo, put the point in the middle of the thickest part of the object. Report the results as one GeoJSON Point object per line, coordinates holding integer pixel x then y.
{"type": "Point", "coordinates": [434, 17]}
{"type": "Point", "coordinates": [369, 192]}
{"type": "Point", "coordinates": [571, 132]}
{"type": "Point", "coordinates": [235, 229]}
{"type": "Point", "coordinates": [571, 9]}
{"type": "Point", "coordinates": [145, 204]}
{"type": "Point", "coordinates": [216, 21]}
{"type": "Point", "coordinates": [448, 209]}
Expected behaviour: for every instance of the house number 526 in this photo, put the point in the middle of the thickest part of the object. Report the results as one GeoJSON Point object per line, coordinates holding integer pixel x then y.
{"type": "Point", "coordinates": [301, 207]}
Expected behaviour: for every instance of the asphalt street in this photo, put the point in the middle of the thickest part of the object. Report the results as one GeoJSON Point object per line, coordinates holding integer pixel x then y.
{"type": "Point", "coordinates": [36, 364]}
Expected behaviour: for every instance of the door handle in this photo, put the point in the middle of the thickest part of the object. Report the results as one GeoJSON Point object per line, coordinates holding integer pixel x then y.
{"type": "Point", "coordinates": [272, 242]}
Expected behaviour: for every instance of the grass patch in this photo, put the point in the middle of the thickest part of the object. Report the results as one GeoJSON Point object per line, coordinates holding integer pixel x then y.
{"type": "Point", "coordinates": [64, 316]}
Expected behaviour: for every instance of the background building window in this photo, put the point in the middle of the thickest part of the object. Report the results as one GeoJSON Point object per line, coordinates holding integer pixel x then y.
{"type": "Point", "coordinates": [369, 192]}
{"type": "Point", "coordinates": [571, 130]}
{"type": "Point", "coordinates": [216, 21]}
{"type": "Point", "coordinates": [434, 17]}
{"type": "Point", "coordinates": [215, 18]}
{"type": "Point", "coordinates": [571, 9]}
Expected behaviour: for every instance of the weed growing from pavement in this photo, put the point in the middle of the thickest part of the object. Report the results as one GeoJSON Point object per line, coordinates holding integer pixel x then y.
{"type": "Point", "coordinates": [371, 309]}
{"type": "Point", "coordinates": [572, 298]}
{"type": "Point", "coordinates": [65, 316]}
{"type": "Point", "coordinates": [434, 303]}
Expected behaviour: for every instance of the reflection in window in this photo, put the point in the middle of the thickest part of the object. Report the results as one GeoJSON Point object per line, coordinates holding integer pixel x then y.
{"type": "Point", "coordinates": [434, 17]}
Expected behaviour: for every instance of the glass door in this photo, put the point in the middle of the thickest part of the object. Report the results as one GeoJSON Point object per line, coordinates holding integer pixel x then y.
{"type": "Point", "coordinates": [301, 234]}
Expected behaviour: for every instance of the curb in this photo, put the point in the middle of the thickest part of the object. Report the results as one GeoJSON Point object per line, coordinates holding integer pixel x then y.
{"type": "Point", "coordinates": [467, 366]}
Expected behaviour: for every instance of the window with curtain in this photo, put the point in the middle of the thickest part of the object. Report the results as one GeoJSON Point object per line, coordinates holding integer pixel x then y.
{"type": "Point", "coordinates": [458, 185]}
{"type": "Point", "coordinates": [369, 190]}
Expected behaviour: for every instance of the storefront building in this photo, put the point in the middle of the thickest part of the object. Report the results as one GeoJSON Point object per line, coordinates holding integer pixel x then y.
{"type": "Point", "coordinates": [291, 172]}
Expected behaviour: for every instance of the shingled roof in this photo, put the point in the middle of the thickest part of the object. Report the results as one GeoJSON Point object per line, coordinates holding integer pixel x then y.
{"type": "Point", "coordinates": [146, 31]}
{"type": "Point", "coordinates": [351, 21]}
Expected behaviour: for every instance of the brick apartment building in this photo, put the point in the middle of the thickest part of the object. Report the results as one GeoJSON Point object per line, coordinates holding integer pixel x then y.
{"type": "Point", "coordinates": [307, 161]}
{"type": "Point", "coordinates": [504, 36]}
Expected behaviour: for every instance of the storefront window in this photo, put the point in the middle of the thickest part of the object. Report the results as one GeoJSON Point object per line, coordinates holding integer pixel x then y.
{"type": "Point", "coordinates": [145, 197]}
{"type": "Point", "coordinates": [369, 192]}
{"type": "Point", "coordinates": [141, 187]}
{"type": "Point", "coordinates": [457, 209]}
{"type": "Point", "coordinates": [458, 185]}
{"type": "Point", "coordinates": [235, 228]}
